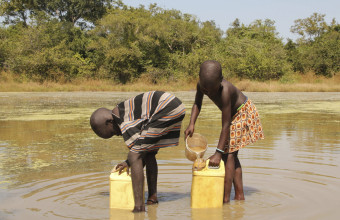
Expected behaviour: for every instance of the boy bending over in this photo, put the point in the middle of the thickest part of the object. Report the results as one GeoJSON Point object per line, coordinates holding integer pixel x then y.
{"type": "Point", "coordinates": [240, 123]}
{"type": "Point", "coordinates": [147, 122]}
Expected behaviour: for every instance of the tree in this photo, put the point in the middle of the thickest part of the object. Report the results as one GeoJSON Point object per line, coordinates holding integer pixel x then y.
{"type": "Point", "coordinates": [3, 47]}
{"type": "Point", "coordinates": [16, 11]}
{"type": "Point", "coordinates": [253, 51]}
{"type": "Point", "coordinates": [320, 51]}
{"type": "Point", "coordinates": [157, 41]}
{"type": "Point", "coordinates": [294, 56]}
{"type": "Point", "coordinates": [47, 50]}
{"type": "Point", "coordinates": [310, 27]}
{"type": "Point", "coordinates": [325, 53]}
{"type": "Point", "coordinates": [74, 11]}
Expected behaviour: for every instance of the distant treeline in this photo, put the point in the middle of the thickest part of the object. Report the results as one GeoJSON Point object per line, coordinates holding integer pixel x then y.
{"type": "Point", "coordinates": [106, 39]}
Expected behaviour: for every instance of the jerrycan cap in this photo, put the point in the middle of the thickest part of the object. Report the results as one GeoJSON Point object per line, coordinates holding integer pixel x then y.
{"type": "Point", "coordinates": [211, 171]}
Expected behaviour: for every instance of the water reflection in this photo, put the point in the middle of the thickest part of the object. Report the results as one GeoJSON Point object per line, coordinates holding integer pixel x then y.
{"type": "Point", "coordinates": [128, 215]}
{"type": "Point", "coordinates": [53, 166]}
{"type": "Point", "coordinates": [213, 213]}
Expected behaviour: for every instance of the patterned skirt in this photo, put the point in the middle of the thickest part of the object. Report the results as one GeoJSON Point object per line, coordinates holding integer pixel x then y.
{"type": "Point", "coordinates": [245, 128]}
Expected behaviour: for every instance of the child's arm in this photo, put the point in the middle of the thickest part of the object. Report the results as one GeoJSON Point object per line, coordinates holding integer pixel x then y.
{"type": "Point", "coordinates": [195, 111]}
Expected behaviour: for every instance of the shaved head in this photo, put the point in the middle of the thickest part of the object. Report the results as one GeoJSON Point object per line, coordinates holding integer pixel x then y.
{"type": "Point", "coordinates": [211, 71]}
{"type": "Point", "coordinates": [210, 76]}
{"type": "Point", "coordinates": [101, 122]}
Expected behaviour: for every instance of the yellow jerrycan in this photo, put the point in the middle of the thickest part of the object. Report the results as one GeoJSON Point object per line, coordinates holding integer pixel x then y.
{"type": "Point", "coordinates": [121, 192]}
{"type": "Point", "coordinates": [207, 187]}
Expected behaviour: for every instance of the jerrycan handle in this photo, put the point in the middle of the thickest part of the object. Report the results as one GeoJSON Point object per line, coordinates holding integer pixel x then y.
{"type": "Point", "coordinates": [210, 167]}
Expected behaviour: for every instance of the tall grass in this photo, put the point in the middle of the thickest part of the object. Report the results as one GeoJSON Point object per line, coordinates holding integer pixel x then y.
{"type": "Point", "coordinates": [308, 82]}
{"type": "Point", "coordinates": [297, 83]}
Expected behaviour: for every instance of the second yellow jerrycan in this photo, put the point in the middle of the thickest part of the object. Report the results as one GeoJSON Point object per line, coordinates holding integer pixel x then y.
{"type": "Point", "coordinates": [121, 192]}
{"type": "Point", "coordinates": [207, 187]}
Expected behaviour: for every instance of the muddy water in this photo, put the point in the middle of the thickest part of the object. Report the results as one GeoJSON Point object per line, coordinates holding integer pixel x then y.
{"type": "Point", "coordinates": [53, 167]}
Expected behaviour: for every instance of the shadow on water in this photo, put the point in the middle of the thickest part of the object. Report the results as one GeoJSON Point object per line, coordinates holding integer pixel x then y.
{"type": "Point", "coordinates": [248, 190]}
{"type": "Point", "coordinates": [162, 196]}
{"type": "Point", "coordinates": [171, 196]}
{"type": "Point", "coordinates": [104, 194]}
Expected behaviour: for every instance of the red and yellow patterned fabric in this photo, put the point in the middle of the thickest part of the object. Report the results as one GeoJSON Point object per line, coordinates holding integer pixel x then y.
{"type": "Point", "coordinates": [245, 128]}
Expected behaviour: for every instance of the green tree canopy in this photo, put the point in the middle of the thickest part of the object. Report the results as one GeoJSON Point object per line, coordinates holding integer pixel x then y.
{"type": "Point", "coordinates": [133, 40]}
{"type": "Point", "coordinates": [74, 11]}
{"type": "Point", "coordinates": [311, 27]}
{"type": "Point", "coordinates": [253, 51]}
{"type": "Point", "coordinates": [318, 48]}
{"type": "Point", "coordinates": [42, 42]}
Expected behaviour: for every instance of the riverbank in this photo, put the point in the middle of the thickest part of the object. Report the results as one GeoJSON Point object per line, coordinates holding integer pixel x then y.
{"type": "Point", "coordinates": [297, 83]}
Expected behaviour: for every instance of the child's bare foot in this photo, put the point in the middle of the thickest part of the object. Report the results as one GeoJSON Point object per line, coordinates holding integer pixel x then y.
{"type": "Point", "coordinates": [226, 201]}
{"type": "Point", "coordinates": [139, 209]}
{"type": "Point", "coordinates": [239, 197]}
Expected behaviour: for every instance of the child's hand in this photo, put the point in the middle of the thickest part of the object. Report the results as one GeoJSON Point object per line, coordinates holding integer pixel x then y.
{"type": "Point", "coordinates": [189, 131]}
{"type": "Point", "coordinates": [121, 166]}
{"type": "Point", "coordinates": [214, 160]}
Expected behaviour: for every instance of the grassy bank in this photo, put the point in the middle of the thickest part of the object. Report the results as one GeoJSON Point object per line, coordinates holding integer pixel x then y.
{"type": "Point", "coordinates": [295, 83]}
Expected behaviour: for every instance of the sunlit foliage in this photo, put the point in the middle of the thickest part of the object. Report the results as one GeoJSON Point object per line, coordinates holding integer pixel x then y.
{"type": "Point", "coordinates": [65, 40]}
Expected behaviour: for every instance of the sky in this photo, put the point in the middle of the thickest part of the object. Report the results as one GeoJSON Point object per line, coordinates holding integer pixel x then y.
{"type": "Point", "coordinates": [224, 12]}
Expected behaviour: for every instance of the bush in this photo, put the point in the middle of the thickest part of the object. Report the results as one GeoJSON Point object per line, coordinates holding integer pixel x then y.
{"type": "Point", "coordinates": [253, 59]}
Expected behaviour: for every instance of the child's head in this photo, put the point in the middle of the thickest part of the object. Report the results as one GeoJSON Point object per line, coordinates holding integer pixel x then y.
{"type": "Point", "coordinates": [103, 124]}
{"type": "Point", "coordinates": [210, 76]}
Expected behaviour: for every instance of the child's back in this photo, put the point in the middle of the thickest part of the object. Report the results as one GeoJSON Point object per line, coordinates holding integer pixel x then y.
{"type": "Point", "coordinates": [229, 93]}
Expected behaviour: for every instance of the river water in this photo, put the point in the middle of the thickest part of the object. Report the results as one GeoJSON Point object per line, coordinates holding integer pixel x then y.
{"type": "Point", "coordinates": [52, 166]}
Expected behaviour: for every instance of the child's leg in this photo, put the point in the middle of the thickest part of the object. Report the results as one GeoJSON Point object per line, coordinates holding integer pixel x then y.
{"type": "Point", "coordinates": [137, 177]}
{"type": "Point", "coordinates": [238, 183]}
{"type": "Point", "coordinates": [229, 161]}
{"type": "Point", "coordinates": [151, 176]}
